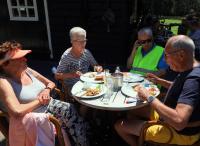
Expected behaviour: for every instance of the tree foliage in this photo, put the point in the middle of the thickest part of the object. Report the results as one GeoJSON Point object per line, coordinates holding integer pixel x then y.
{"type": "Point", "coordinates": [170, 7]}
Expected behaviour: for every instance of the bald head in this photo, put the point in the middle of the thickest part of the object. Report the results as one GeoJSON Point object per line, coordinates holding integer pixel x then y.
{"type": "Point", "coordinates": [181, 42]}
{"type": "Point", "coordinates": [179, 53]}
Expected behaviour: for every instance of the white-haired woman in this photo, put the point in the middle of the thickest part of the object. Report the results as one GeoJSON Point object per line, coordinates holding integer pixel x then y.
{"type": "Point", "coordinates": [76, 59]}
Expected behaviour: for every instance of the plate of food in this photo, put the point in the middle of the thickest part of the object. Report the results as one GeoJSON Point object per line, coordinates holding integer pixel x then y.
{"type": "Point", "coordinates": [93, 77]}
{"type": "Point", "coordinates": [131, 90]}
{"type": "Point", "coordinates": [131, 77]}
{"type": "Point", "coordinates": [152, 89]}
{"type": "Point", "coordinates": [89, 91]}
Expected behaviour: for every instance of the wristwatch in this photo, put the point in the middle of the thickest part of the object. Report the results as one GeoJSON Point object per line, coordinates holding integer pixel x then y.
{"type": "Point", "coordinates": [150, 99]}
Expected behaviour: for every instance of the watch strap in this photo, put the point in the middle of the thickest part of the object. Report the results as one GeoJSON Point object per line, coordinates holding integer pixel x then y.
{"type": "Point", "coordinates": [150, 99]}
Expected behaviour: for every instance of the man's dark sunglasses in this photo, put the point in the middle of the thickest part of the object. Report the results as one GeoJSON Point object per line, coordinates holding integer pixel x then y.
{"type": "Point", "coordinates": [145, 41]}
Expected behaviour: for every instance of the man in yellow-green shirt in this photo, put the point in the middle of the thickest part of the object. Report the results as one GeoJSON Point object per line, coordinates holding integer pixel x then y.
{"type": "Point", "coordinates": [146, 56]}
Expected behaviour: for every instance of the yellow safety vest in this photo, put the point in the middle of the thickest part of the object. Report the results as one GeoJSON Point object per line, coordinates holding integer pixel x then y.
{"type": "Point", "coordinates": [148, 63]}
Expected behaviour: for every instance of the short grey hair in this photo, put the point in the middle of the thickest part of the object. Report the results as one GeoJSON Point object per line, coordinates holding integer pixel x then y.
{"type": "Point", "coordinates": [77, 32]}
{"type": "Point", "coordinates": [182, 42]}
{"type": "Point", "coordinates": [146, 30]}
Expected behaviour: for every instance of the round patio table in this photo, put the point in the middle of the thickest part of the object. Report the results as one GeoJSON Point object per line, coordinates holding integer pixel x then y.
{"type": "Point", "coordinates": [116, 102]}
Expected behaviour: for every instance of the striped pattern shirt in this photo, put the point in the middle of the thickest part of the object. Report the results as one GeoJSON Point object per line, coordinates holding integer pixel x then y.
{"type": "Point", "coordinates": [68, 63]}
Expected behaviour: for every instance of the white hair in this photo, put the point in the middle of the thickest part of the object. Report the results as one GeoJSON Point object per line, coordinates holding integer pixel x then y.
{"type": "Point", "coordinates": [77, 32]}
{"type": "Point", "coordinates": [146, 30]}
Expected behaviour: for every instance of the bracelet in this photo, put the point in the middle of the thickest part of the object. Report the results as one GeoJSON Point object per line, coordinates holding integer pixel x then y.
{"type": "Point", "coordinates": [47, 88]}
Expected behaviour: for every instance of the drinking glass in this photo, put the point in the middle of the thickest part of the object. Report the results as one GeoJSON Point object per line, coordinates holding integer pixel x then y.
{"type": "Point", "coordinates": [106, 74]}
{"type": "Point", "coordinates": [109, 85]}
{"type": "Point", "coordinates": [117, 81]}
{"type": "Point", "coordinates": [145, 83]}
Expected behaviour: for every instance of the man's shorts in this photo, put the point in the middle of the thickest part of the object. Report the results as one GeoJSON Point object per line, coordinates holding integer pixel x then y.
{"type": "Point", "coordinates": [161, 134]}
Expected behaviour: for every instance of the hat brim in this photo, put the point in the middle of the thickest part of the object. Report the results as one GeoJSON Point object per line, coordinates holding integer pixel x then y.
{"type": "Point", "coordinates": [17, 53]}
{"type": "Point", "coordinates": [20, 53]}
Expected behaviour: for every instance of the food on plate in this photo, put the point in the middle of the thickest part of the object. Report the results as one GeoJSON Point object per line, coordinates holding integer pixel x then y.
{"type": "Point", "coordinates": [136, 87]}
{"type": "Point", "coordinates": [98, 78]}
{"type": "Point", "coordinates": [92, 91]}
{"type": "Point", "coordinates": [92, 75]}
{"type": "Point", "coordinates": [126, 74]}
{"type": "Point", "coordinates": [152, 91]}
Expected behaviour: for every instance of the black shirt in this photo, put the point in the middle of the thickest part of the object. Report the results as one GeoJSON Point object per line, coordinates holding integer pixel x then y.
{"type": "Point", "coordinates": [186, 90]}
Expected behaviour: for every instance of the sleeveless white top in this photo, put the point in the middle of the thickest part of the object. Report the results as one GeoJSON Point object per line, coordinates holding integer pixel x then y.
{"type": "Point", "coordinates": [28, 93]}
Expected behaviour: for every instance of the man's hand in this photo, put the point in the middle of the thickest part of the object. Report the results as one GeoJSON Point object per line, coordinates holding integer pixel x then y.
{"type": "Point", "coordinates": [131, 57]}
{"type": "Point", "coordinates": [143, 93]}
{"type": "Point", "coordinates": [152, 77]}
{"type": "Point", "coordinates": [136, 44]}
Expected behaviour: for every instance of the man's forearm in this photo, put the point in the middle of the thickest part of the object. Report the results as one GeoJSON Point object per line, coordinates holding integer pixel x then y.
{"type": "Point", "coordinates": [130, 59]}
{"type": "Point", "coordinates": [164, 83]}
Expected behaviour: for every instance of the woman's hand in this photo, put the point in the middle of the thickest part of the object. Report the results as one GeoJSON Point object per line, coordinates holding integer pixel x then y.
{"type": "Point", "coordinates": [98, 68]}
{"type": "Point", "coordinates": [77, 74]}
{"type": "Point", "coordinates": [58, 76]}
{"type": "Point", "coordinates": [143, 93]}
{"type": "Point", "coordinates": [44, 97]}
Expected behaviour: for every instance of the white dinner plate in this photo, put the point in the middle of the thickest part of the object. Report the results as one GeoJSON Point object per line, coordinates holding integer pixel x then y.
{"type": "Point", "coordinates": [129, 91]}
{"type": "Point", "coordinates": [131, 77]}
{"type": "Point", "coordinates": [81, 90]}
{"type": "Point", "coordinates": [90, 77]}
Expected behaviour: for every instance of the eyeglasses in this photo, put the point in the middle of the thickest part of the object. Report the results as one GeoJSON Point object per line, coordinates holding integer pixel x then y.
{"type": "Point", "coordinates": [171, 53]}
{"type": "Point", "coordinates": [141, 42]}
{"type": "Point", "coordinates": [81, 41]}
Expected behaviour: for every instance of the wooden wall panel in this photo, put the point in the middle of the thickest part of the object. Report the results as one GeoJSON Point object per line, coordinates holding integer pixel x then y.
{"type": "Point", "coordinates": [107, 47]}
{"type": "Point", "coordinates": [32, 34]}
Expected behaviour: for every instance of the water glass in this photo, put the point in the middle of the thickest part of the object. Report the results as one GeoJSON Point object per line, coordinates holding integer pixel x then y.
{"type": "Point", "coordinates": [109, 86]}
{"type": "Point", "coordinates": [106, 74]}
{"type": "Point", "coordinates": [145, 83]}
{"type": "Point", "coordinates": [117, 81]}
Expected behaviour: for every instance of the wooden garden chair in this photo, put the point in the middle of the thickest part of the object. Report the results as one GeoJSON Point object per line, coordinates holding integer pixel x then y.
{"type": "Point", "coordinates": [4, 125]}
{"type": "Point", "coordinates": [66, 91]}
